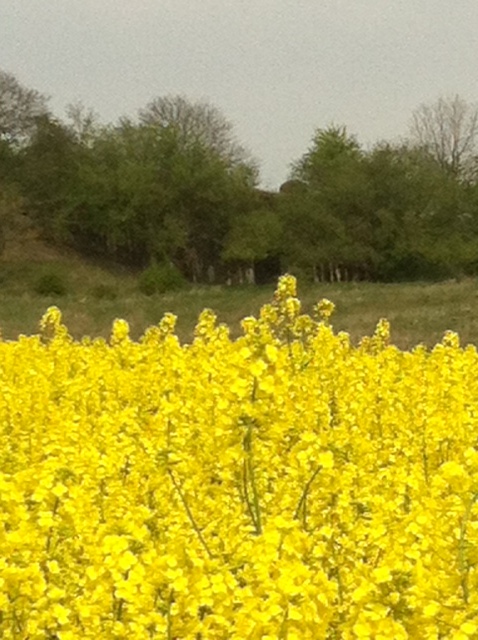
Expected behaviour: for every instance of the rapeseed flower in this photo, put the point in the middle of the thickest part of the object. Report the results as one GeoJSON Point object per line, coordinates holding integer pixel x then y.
{"type": "Point", "coordinates": [286, 484]}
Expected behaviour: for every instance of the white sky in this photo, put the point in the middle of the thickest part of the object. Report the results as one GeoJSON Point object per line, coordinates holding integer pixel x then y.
{"type": "Point", "coordinates": [278, 69]}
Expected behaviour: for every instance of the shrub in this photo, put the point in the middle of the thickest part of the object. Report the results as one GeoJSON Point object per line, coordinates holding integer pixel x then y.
{"type": "Point", "coordinates": [160, 278]}
{"type": "Point", "coordinates": [51, 284]}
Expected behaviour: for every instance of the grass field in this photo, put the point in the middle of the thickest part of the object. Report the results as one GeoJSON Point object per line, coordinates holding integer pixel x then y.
{"type": "Point", "coordinates": [418, 312]}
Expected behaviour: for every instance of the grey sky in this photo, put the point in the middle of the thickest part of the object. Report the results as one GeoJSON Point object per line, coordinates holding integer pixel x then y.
{"type": "Point", "coordinates": [278, 69]}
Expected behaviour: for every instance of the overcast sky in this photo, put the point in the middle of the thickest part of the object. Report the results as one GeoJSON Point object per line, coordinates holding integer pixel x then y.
{"type": "Point", "coordinates": [278, 69]}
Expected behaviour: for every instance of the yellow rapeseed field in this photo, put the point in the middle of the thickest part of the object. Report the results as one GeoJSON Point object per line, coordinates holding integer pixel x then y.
{"type": "Point", "coordinates": [284, 485]}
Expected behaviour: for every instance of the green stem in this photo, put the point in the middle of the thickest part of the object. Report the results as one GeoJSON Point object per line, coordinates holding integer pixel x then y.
{"type": "Point", "coordinates": [255, 497]}
{"type": "Point", "coordinates": [254, 507]}
{"type": "Point", "coordinates": [246, 496]}
{"type": "Point", "coordinates": [338, 574]}
{"type": "Point", "coordinates": [425, 461]}
{"type": "Point", "coordinates": [189, 513]}
{"type": "Point", "coordinates": [305, 493]}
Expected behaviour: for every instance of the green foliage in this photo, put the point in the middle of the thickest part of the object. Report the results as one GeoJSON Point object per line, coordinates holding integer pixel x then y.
{"type": "Point", "coordinates": [160, 278]}
{"type": "Point", "coordinates": [173, 186]}
{"type": "Point", "coordinates": [329, 220]}
{"type": "Point", "coordinates": [142, 194]}
{"type": "Point", "coordinates": [253, 236]}
{"type": "Point", "coordinates": [49, 176]}
{"type": "Point", "coordinates": [391, 213]}
{"type": "Point", "coordinates": [51, 284]}
{"type": "Point", "coordinates": [332, 153]}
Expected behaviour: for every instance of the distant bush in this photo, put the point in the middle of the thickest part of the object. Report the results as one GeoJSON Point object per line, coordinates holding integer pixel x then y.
{"type": "Point", "coordinates": [160, 278]}
{"type": "Point", "coordinates": [302, 274]}
{"type": "Point", "coordinates": [51, 284]}
{"type": "Point", "coordinates": [104, 292]}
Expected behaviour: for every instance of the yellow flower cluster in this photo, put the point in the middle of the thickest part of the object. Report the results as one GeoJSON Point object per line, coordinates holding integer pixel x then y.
{"type": "Point", "coordinates": [284, 485]}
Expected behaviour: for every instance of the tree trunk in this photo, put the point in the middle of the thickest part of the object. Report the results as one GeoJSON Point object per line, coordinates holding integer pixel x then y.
{"type": "Point", "coordinates": [315, 274]}
{"type": "Point", "coordinates": [331, 272]}
{"type": "Point", "coordinates": [250, 275]}
{"type": "Point", "coordinates": [211, 274]}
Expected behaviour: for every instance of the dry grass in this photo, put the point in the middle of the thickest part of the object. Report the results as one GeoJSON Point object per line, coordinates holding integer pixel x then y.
{"type": "Point", "coordinates": [418, 312]}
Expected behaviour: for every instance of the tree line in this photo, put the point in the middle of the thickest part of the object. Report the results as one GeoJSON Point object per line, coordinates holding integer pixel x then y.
{"type": "Point", "coordinates": [172, 186]}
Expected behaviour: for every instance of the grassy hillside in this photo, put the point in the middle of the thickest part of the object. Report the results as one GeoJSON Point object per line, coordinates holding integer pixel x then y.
{"type": "Point", "coordinates": [96, 294]}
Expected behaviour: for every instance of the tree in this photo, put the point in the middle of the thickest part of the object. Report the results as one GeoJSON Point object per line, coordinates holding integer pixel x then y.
{"type": "Point", "coordinates": [118, 200]}
{"type": "Point", "coordinates": [254, 235]}
{"type": "Point", "coordinates": [19, 109]}
{"type": "Point", "coordinates": [83, 122]}
{"type": "Point", "coordinates": [448, 130]}
{"type": "Point", "coordinates": [404, 184]}
{"type": "Point", "coordinates": [332, 154]}
{"type": "Point", "coordinates": [48, 175]}
{"type": "Point", "coordinates": [395, 212]}
{"type": "Point", "coordinates": [206, 196]}
{"type": "Point", "coordinates": [313, 238]}
{"type": "Point", "coordinates": [424, 223]}
{"type": "Point", "coordinates": [143, 195]}
{"type": "Point", "coordinates": [197, 123]}
{"type": "Point", "coordinates": [329, 218]}
{"type": "Point", "coordinates": [211, 175]}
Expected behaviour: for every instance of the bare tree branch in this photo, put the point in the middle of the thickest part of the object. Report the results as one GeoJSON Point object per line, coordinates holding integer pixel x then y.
{"type": "Point", "coordinates": [83, 122]}
{"type": "Point", "coordinates": [19, 108]}
{"type": "Point", "coordinates": [448, 129]}
{"type": "Point", "coordinates": [196, 122]}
